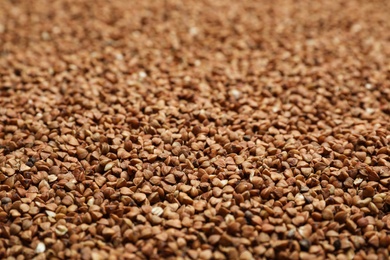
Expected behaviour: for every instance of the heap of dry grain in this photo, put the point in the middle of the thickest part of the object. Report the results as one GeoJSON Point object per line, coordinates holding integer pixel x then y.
{"type": "Point", "coordinates": [194, 130]}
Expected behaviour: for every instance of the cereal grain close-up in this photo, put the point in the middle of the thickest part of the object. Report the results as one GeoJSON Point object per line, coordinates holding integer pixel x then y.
{"type": "Point", "coordinates": [197, 129]}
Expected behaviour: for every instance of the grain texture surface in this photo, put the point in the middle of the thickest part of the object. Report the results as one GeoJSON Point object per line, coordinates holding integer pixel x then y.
{"type": "Point", "coordinates": [194, 129]}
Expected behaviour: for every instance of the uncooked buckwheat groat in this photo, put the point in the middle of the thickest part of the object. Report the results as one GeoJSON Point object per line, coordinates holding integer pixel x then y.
{"type": "Point", "coordinates": [197, 129]}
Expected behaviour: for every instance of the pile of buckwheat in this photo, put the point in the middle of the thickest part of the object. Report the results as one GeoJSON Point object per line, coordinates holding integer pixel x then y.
{"type": "Point", "coordinates": [191, 129]}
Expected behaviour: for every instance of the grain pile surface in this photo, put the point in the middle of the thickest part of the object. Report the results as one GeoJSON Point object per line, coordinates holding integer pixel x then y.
{"type": "Point", "coordinates": [194, 129]}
